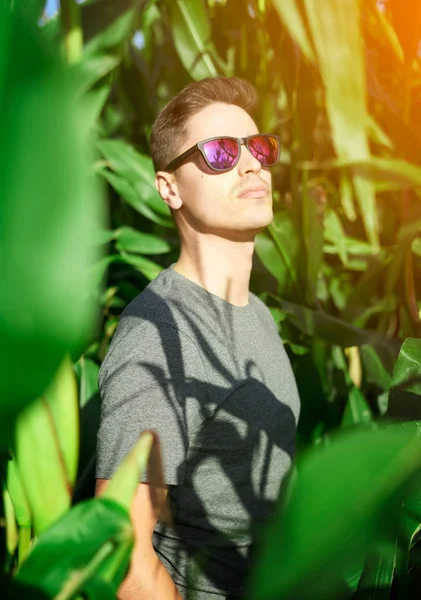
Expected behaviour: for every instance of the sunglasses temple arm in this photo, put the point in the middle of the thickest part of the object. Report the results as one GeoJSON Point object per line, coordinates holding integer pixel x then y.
{"type": "Point", "coordinates": [177, 162]}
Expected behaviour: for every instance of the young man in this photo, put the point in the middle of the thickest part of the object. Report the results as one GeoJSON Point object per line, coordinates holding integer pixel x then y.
{"type": "Point", "coordinates": [197, 357]}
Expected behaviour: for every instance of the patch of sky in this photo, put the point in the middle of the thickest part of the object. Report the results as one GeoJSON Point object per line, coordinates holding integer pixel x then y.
{"type": "Point", "coordinates": [139, 40]}
{"type": "Point", "coordinates": [51, 8]}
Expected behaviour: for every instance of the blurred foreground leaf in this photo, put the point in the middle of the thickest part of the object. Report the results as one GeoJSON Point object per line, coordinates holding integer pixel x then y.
{"type": "Point", "coordinates": [355, 485]}
{"type": "Point", "coordinates": [72, 550]}
{"type": "Point", "coordinates": [377, 576]}
{"type": "Point", "coordinates": [92, 544]}
{"type": "Point", "coordinates": [47, 440]}
{"type": "Point", "coordinates": [47, 202]}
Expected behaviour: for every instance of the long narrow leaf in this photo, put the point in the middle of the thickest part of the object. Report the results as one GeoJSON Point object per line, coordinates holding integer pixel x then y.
{"type": "Point", "coordinates": [47, 449]}
{"type": "Point", "coordinates": [337, 38]}
{"type": "Point", "coordinates": [290, 15]}
{"type": "Point", "coordinates": [192, 33]}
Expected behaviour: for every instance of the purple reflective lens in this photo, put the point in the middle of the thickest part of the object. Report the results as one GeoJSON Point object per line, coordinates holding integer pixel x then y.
{"type": "Point", "coordinates": [265, 148]}
{"type": "Point", "coordinates": [221, 153]}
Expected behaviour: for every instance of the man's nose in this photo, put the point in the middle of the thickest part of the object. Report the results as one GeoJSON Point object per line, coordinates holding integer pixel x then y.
{"type": "Point", "coordinates": [248, 163]}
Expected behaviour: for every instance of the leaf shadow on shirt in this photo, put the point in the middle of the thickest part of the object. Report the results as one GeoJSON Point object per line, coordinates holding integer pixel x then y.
{"type": "Point", "coordinates": [228, 441]}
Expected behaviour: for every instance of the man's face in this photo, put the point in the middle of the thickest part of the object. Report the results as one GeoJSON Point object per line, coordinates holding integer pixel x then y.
{"type": "Point", "coordinates": [220, 203]}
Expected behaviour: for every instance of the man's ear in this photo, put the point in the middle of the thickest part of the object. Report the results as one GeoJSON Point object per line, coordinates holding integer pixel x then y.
{"type": "Point", "coordinates": [167, 188]}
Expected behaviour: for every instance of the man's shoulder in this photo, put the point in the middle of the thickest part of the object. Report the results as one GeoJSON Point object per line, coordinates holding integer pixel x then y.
{"type": "Point", "coordinates": [155, 319]}
{"type": "Point", "coordinates": [263, 310]}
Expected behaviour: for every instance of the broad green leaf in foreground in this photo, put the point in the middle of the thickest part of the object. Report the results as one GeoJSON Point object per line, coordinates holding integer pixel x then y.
{"type": "Point", "coordinates": [82, 542]}
{"type": "Point", "coordinates": [355, 486]}
{"type": "Point", "coordinates": [92, 544]}
{"type": "Point", "coordinates": [47, 201]}
{"type": "Point", "coordinates": [18, 511]}
{"type": "Point", "coordinates": [146, 454]}
{"type": "Point", "coordinates": [47, 439]}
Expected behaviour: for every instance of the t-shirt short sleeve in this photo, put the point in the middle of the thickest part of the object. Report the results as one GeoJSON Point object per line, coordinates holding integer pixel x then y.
{"type": "Point", "coordinates": [145, 382]}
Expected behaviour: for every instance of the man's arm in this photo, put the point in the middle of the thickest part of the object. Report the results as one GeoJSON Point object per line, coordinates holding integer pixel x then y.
{"type": "Point", "coordinates": [147, 578]}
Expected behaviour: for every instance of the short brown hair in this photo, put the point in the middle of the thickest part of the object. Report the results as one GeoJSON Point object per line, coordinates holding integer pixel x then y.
{"type": "Point", "coordinates": [170, 128]}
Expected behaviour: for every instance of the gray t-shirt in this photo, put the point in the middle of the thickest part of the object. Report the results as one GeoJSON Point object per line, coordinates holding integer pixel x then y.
{"type": "Point", "coordinates": [214, 381]}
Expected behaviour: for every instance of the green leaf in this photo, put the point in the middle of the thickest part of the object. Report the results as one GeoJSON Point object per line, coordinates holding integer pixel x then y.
{"type": "Point", "coordinates": [17, 495]}
{"type": "Point", "coordinates": [290, 15]}
{"type": "Point", "coordinates": [108, 24]}
{"type": "Point", "coordinates": [270, 257]}
{"type": "Point", "coordinates": [123, 484]}
{"type": "Point", "coordinates": [87, 371]}
{"type": "Point", "coordinates": [138, 170]}
{"type": "Point", "coordinates": [377, 576]}
{"type": "Point", "coordinates": [406, 234]}
{"type": "Point", "coordinates": [408, 365]}
{"type": "Point", "coordinates": [48, 201]}
{"type": "Point", "coordinates": [374, 168]}
{"type": "Point", "coordinates": [61, 397]}
{"type": "Point", "coordinates": [32, 10]}
{"type": "Point", "coordinates": [355, 486]}
{"type": "Point", "coordinates": [277, 250]}
{"type": "Point", "coordinates": [83, 543]}
{"type": "Point", "coordinates": [312, 236]}
{"type": "Point", "coordinates": [17, 511]}
{"type": "Point", "coordinates": [192, 34]}
{"type": "Point", "coordinates": [409, 527]}
{"type": "Point", "coordinates": [347, 195]}
{"type": "Point", "coordinates": [91, 69]}
{"type": "Point", "coordinates": [12, 536]}
{"type": "Point", "coordinates": [374, 369]}
{"type": "Point", "coordinates": [47, 441]}
{"type": "Point", "coordinates": [146, 454]}
{"type": "Point", "coordinates": [334, 233]}
{"type": "Point", "coordinates": [130, 240]}
{"type": "Point", "coordinates": [316, 323]}
{"type": "Point", "coordinates": [404, 396]}
{"type": "Point", "coordinates": [145, 266]}
{"type": "Point", "coordinates": [338, 41]}
{"type": "Point", "coordinates": [357, 410]}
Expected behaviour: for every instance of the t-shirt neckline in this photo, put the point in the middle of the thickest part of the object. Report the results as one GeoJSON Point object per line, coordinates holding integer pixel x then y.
{"type": "Point", "coordinates": [204, 293]}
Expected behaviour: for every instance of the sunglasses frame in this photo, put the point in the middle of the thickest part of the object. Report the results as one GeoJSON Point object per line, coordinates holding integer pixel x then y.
{"type": "Point", "coordinates": [199, 147]}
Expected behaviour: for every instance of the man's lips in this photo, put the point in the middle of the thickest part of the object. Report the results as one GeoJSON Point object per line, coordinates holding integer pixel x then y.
{"type": "Point", "coordinates": [254, 191]}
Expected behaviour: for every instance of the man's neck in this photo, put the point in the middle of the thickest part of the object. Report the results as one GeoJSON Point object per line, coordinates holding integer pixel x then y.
{"type": "Point", "coordinates": [220, 266]}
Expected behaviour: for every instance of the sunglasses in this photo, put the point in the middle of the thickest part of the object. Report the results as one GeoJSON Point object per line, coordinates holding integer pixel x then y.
{"type": "Point", "coordinates": [223, 153]}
